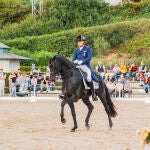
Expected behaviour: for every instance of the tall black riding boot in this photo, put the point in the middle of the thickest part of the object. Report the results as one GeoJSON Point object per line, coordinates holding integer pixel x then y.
{"type": "Point", "coordinates": [94, 97]}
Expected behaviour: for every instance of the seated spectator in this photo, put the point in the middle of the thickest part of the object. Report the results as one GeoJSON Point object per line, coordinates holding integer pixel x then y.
{"type": "Point", "coordinates": [123, 80]}
{"type": "Point", "coordinates": [123, 69]}
{"type": "Point", "coordinates": [116, 71]}
{"type": "Point", "coordinates": [111, 87]}
{"type": "Point", "coordinates": [119, 88]}
{"type": "Point", "coordinates": [33, 84]}
{"type": "Point", "coordinates": [12, 84]}
{"type": "Point", "coordinates": [133, 70]}
{"type": "Point", "coordinates": [44, 83]}
{"type": "Point", "coordinates": [51, 85]}
{"type": "Point", "coordinates": [127, 87]}
{"type": "Point", "coordinates": [100, 69]}
{"type": "Point", "coordinates": [142, 68]}
{"type": "Point", "coordinates": [147, 84]}
{"type": "Point", "coordinates": [23, 82]}
{"type": "Point", "coordinates": [140, 78]}
{"type": "Point", "coordinates": [109, 70]}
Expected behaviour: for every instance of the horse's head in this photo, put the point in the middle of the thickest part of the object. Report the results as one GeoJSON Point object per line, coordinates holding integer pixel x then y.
{"type": "Point", "coordinates": [59, 65]}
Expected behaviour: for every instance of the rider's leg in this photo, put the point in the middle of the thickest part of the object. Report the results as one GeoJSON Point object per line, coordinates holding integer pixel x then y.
{"type": "Point", "coordinates": [84, 68]}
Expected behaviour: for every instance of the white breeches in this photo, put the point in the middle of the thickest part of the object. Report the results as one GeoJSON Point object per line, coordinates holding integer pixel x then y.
{"type": "Point", "coordinates": [84, 68]}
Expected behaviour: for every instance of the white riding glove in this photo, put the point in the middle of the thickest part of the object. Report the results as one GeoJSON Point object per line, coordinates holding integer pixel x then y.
{"type": "Point", "coordinates": [76, 61]}
{"type": "Point", "coordinates": [80, 62]}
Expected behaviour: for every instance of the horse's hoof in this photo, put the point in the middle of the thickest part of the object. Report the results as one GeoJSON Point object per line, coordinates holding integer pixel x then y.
{"type": "Point", "coordinates": [87, 127]}
{"type": "Point", "coordinates": [63, 121]}
{"type": "Point", "coordinates": [72, 130]}
{"type": "Point", "coordinates": [110, 128]}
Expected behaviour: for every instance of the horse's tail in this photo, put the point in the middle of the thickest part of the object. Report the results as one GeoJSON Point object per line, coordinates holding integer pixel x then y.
{"type": "Point", "coordinates": [111, 109]}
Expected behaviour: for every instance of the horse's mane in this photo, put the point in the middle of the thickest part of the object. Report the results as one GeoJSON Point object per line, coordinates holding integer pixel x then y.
{"type": "Point", "coordinates": [64, 60]}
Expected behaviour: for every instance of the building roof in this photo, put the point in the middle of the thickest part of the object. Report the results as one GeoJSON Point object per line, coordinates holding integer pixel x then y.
{"type": "Point", "coordinates": [12, 56]}
{"type": "Point", "coordinates": [3, 45]}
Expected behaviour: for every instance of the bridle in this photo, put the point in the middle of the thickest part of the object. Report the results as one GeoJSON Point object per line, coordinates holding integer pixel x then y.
{"type": "Point", "coordinates": [63, 74]}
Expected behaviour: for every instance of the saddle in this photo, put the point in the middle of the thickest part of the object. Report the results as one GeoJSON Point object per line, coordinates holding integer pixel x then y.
{"type": "Point", "coordinates": [84, 75]}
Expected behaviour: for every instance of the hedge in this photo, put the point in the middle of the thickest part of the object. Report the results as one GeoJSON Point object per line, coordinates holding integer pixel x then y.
{"type": "Point", "coordinates": [64, 42]}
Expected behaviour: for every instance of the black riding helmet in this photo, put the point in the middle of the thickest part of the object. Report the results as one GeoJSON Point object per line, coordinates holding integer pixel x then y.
{"type": "Point", "coordinates": [80, 38]}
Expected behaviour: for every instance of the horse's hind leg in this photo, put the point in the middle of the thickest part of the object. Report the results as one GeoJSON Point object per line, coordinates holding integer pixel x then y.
{"type": "Point", "coordinates": [103, 100]}
{"type": "Point", "coordinates": [63, 120]}
{"type": "Point", "coordinates": [74, 117]}
{"type": "Point", "coordinates": [87, 102]}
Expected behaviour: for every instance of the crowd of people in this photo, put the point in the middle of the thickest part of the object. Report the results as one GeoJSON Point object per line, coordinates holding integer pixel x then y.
{"type": "Point", "coordinates": [20, 82]}
{"type": "Point", "coordinates": [117, 77]}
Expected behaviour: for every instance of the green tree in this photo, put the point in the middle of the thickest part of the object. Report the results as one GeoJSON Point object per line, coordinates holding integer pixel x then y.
{"type": "Point", "coordinates": [101, 46]}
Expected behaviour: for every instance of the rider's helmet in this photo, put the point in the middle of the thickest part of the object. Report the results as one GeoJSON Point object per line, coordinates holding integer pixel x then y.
{"type": "Point", "coordinates": [80, 38]}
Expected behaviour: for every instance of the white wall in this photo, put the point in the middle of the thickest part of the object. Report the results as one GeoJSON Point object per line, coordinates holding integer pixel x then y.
{"type": "Point", "coordinates": [113, 2]}
{"type": "Point", "coordinates": [14, 65]}
{"type": "Point", "coordinates": [9, 65]}
{"type": "Point", "coordinates": [5, 65]}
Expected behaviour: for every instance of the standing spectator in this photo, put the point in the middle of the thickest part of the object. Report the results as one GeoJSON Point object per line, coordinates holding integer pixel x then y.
{"type": "Point", "coordinates": [116, 71]}
{"type": "Point", "coordinates": [100, 69]}
{"type": "Point", "coordinates": [2, 82]}
{"type": "Point", "coordinates": [147, 84]}
{"type": "Point", "coordinates": [109, 70]}
{"type": "Point", "coordinates": [39, 76]}
{"type": "Point", "coordinates": [123, 69]}
{"type": "Point", "coordinates": [133, 70]}
{"type": "Point", "coordinates": [140, 78]}
{"type": "Point", "coordinates": [12, 84]}
{"type": "Point", "coordinates": [142, 68]}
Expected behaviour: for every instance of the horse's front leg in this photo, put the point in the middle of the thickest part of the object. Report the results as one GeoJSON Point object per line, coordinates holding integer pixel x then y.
{"type": "Point", "coordinates": [87, 102]}
{"type": "Point", "coordinates": [63, 120]}
{"type": "Point", "coordinates": [74, 117]}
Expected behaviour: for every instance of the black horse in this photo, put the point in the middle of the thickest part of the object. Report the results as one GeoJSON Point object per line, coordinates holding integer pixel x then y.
{"type": "Point", "coordinates": [73, 89]}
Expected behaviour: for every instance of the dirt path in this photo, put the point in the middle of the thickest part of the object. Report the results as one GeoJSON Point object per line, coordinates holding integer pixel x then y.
{"type": "Point", "coordinates": [36, 126]}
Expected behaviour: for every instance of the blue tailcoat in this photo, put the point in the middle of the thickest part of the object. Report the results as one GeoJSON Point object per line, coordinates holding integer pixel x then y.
{"type": "Point", "coordinates": [85, 55]}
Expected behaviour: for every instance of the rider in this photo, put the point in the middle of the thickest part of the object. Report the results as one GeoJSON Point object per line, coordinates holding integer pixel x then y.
{"type": "Point", "coordinates": [82, 57]}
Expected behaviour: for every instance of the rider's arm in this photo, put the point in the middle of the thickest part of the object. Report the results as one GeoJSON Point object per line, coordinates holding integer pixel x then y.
{"type": "Point", "coordinates": [74, 56]}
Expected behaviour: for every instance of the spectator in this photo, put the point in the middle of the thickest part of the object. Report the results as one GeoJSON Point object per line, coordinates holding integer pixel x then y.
{"type": "Point", "coordinates": [44, 84]}
{"type": "Point", "coordinates": [123, 80]}
{"type": "Point", "coordinates": [39, 73]}
{"type": "Point", "coordinates": [2, 82]}
{"type": "Point", "coordinates": [39, 76]}
{"type": "Point", "coordinates": [119, 88]}
{"type": "Point", "coordinates": [127, 87]}
{"type": "Point", "coordinates": [109, 70]}
{"type": "Point", "coordinates": [51, 85]}
{"type": "Point", "coordinates": [100, 69]}
{"type": "Point", "coordinates": [111, 87]}
{"type": "Point", "coordinates": [123, 69]}
{"type": "Point", "coordinates": [142, 68]}
{"type": "Point", "coordinates": [133, 70]}
{"type": "Point", "coordinates": [23, 82]}
{"type": "Point", "coordinates": [147, 84]}
{"type": "Point", "coordinates": [116, 71]}
{"type": "Point", "coordinates": [140, 78]}
{"type": "Point", "coordinates": [12, 84]}
{"type": "Point", "coordinates": [33, 84]}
